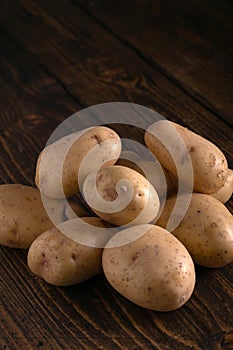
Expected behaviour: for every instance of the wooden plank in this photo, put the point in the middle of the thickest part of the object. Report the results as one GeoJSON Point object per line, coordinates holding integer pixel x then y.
{"type": "Point", "coordinates": [76, 59]}
{"type": "Point", "coordinates": [32, 105]}
{"type": "Point", "coordinates": [189, 41]}
{"type": "Point", "coordinates": [97, 53]}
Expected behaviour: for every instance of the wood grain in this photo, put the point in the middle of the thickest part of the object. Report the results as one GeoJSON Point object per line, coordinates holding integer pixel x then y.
{"type": "Point", "coordinates": [59, 57]}
{"type": "Point", "coordinates": [190, 42]}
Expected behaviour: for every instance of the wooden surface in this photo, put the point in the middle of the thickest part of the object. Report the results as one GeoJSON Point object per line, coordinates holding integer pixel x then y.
{"type": "Point", "coordinates": [57, 57]}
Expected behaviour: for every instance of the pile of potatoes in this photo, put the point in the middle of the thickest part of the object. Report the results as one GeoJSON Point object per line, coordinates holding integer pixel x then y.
{"type": "Point", "coordinates": [119, 227]}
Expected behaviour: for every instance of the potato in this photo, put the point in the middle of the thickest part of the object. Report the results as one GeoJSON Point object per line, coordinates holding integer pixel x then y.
{"type": "Point", "coordinates": [62, 261]}
{"type": "Point", "coordinates": [206, 230]}
{"type": "Point", "coordinates": [164, 182]}
{"type": "Point", "coordinates": [154, 271]}
{"type": "Point", "coordinates": [208, 162]}
{"type": "Point", "coordinates": [121, 196]}
{"type": "Point", "coordinates": [23, 217]}
{"type": "Point", "coordinates": [225, 192]}
{"type": "Point", "coordinates": [63, 165]}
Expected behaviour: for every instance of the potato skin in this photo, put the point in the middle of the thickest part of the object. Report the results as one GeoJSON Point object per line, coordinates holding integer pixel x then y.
{"type": "Point", "coordinates": [206, 230]}
{"type": "Point", "coordinates": [164, 182]}
{"type": "Point", "coordinates": [101, 143]}
{"type": "Point", "coordinates": [142, 208]}
{"type": "Point", "coordinates": [23, 217]}
{"type": "Point", "coordinates": [155, 271]}
{"type": "Point", "coordinates": [225, 192]}
{"type": "Point", "coordinates": [62, 261]}
{"type": "Point", "coordinates": [209, 164]}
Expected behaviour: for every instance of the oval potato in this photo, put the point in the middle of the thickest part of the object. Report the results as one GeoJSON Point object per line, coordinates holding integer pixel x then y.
{"type": "Point", "coordinates": [164, 182]}
{"type": "Point", "coordinates": [208, 162]}
{"type": "Point", "coordinates": [23, 217]}
{"type": "Point", "coordinates": [225, 192]}
{"type": "Point", "coordinates": [121, 196]}
{"type": "Point", "coordinates": [62, 261]}
{"type": "Point", "coordinates": [155, 271]}
{"type": "Point", "coordinates": [63, 165]}
{"type": "Point", "coordinates": [206, 230]}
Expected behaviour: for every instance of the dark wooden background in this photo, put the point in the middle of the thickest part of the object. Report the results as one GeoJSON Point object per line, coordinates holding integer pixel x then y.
{"type": "Point", "coordinates": [57, 57]}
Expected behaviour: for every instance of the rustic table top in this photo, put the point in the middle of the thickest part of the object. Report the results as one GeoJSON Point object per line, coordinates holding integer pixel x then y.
{"type": "Point", "coordinates": [58, 57]}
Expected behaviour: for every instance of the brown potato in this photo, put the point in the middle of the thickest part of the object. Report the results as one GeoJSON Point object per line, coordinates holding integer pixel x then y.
{"type": "Point", "coordinates": [206, 230]}
{"type": "Point", "coordinates": [225, 192]}
{"type": "Point", "coordinates": [23, 216]}
{"type": "Point", "coordinates": [63, 165]}
{"type": "Point", "coordinates": [121, 196]}
{"type": "Point", "coordinates": [62, 261]}
{"type": "Point", "coordinates": [209, 164]}
{"type": "Point", "coordinates": [154, 271]}
{"type": "Point", "coordinates": [164, 182]}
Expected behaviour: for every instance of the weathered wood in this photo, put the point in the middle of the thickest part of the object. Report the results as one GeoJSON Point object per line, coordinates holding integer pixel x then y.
{"type": "Point", "coordinates": [189, 41]}
{"type": "Point", "coordinates": [99, 74]}
{"type": "Point", "coordinates": [55, 59]}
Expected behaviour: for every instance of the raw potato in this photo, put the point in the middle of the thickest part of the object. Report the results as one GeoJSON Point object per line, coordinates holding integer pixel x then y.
{"type": "Point", "coordinates": [206, 230]}
{"type": "Point", "coordinates": [121, 196]}
{"type": "Point", "coordinates": [63, 165]}
{"type": "Point", "coordinates": [62, 261]}
{"type": "Point", "coordinates": [164, 182]}
{"type": "Point", "coordinates": [155, 271]}
{"type": "Point", "coordinates": [225, 192]}
{"type": "Point", "coordinates": [23, 217]}
{"type": "Point", "coordinates": [209, 164]}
